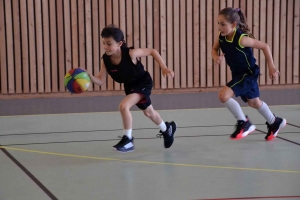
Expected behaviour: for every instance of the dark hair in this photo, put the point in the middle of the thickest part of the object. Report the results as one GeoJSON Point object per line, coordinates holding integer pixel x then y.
{"type": "Point", "coordinates": [236, 15]}
{"type": "Point", "coordinates": [114, 32]}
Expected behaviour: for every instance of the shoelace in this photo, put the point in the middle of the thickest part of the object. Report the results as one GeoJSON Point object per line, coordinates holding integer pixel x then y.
{"type": "Point", "coordinates": [160, 135]}
{"type": "Point", "coordinates": [269, 127]}
{"type": "Point", "coordinates": [239, 124]}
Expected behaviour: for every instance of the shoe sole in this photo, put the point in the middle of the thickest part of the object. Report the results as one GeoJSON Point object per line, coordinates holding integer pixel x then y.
{"type": "Point", "coordinates": [123, 151]}
{"type": "Point", "coordinates": [241, 136]}
{"type": "Point", "coordinates": [283, 124]}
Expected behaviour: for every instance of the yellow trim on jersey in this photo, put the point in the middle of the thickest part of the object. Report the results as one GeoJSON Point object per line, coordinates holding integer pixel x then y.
{"type": "Point", "coordinates": [240, 80]}
{"type": "Point", "coordinates": [240, 40]}
{"type": "Point", "coordinates": [246, 59]}
{"type": "Point", "coordinates": [232, 37]}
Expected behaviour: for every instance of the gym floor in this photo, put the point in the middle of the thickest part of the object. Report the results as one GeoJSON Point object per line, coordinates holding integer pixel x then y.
{"type": "Point", "coordinates": [69, 157]}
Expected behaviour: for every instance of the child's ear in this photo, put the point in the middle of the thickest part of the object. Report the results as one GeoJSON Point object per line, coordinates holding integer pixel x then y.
{"type": "Point", "coordinates": [120, 43]}
{"type": "Point", "coordinates": [234, 25]}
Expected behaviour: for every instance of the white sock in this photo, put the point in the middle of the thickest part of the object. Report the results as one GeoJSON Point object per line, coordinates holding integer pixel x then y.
{"type": "Point", "coordinates": [162, 126]}
{"type": "Point", "coordinates": [265, 111]}
{"type": "Point", "coordinates": [128, 133]}
{"type": "Point", "coordinates": [235, 108]}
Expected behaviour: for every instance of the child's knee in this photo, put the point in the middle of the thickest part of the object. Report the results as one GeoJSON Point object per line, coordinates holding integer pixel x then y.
{"type": "Point", "coordinates": [223, 96]}
{"type": "Point", "coordinates": [148, 113]}
{"type": "Point", "coordinates": [123, 107]}
{"type": "Point", "coordinates": [255, 104]}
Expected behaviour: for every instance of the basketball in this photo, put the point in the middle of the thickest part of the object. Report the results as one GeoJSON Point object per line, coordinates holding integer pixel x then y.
{"type": "Point", "coordinates": [77, 81]}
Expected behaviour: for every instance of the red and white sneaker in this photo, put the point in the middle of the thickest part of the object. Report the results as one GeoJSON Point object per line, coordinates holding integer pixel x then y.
{"type": "Point", "coordinates": [243, 128]}
{"type": "Point", "coordinates": [274, 128]}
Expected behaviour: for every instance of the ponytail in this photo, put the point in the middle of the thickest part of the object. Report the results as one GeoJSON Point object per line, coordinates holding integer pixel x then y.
{"type": "Point", "coordinates": [243, 25]}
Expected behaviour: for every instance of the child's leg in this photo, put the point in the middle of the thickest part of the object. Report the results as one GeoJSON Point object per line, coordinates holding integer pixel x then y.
{"type": "Point", "coordinates": [262, 108]}
{"type": "Point", "coordinates": [124, 108]}
{"type": "Point", "coordinates": [155, 117]}
{"type": "Point", "coordinates": [243, 126]}
{"type": "Point", "coordinates": [167, 129]}
{"type": "Point", "coordinates": [126, 143]}
{"type": "Point", "coordinates": [225, 96]}
{"type": "Point", "coordinates": [274, 123]}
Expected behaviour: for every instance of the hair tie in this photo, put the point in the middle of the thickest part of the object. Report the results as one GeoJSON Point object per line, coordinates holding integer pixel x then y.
{"type": "Point", "coordinates": [237, 9]}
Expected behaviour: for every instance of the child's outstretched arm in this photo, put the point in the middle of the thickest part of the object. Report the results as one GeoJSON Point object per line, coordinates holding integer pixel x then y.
{"type": "Point", "coordinates": [214, 52]}
{"type": "Point", "coordinates": [250, 42]}
{"type": "Point", "coordinates": [137, 53]}
{"type": "Point", "coordinates": [101, 76]}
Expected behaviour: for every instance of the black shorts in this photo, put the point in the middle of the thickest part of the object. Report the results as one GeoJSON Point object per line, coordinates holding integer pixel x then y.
{"type": "Point", "coordinates": [245, 85]}
{"type": "Point", "coordinates": [143, 85]}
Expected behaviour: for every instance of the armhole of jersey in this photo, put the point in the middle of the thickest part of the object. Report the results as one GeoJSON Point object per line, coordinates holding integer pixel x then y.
{"type": "Point", "coordinates": [239, 42]}
{"type": "Point", "coordinates": [137, 60]}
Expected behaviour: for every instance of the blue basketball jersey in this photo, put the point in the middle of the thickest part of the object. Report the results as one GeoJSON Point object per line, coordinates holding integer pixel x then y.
{"type": "Point", "coordinates": [240, 59]}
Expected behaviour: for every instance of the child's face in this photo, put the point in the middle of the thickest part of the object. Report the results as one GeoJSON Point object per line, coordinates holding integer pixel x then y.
{"type": "Point", "coordinates": [110, 45]}
{"type": "Point", "coordinates": [225, 27]}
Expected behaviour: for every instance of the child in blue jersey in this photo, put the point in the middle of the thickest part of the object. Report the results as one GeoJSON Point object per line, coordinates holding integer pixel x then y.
{"type": "Point", "coordinates": [122, 64]}
{"type": "Point", "coordinates": [236, 43]}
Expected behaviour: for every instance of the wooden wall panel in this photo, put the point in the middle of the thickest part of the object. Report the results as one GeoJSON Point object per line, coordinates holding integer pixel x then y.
{"type": "Point", "coordinates": [149, 35]}
{"type": "Point", "coordinates": [189, 44]}
{"type": "Point", "coordinates": [39, 46]}
{"type": "Point", "coordinates": [223, 67]}
{"type": "Point", "coordinates": [17, 46]}
{"type": "Point", "coordinates": [53, 46]}
{"type": "Point", "coordinates": [32, 48]}
{"type": "Point", "coordinates": [3, 48]}
{"type": "Point", "coordinates": [183, 58]}
{"type": "Point", "coordinates": [203, 53]}
{"type": "Point", "coordinates": [156, 42]}
{"type": "Point", "coordinates": [176, 46]}
{"type": "Point", "coordinates": [289, 44]}
{"type": "Point", "coordinates": [262, 37]}
{"type": "Point", "coordinates": [269, 27]}
{"type": "Point", "coordinates": [196, 43]}
{"type": "Point", "coordinates": [282, 42]}
{"type": "Point", "coordinates": [163, 40]}
{"type": "Point", "coordinates": [44, 39]}
{"type": "Point", "coordinates": [276, 39]}
{"type": "Point", "coordinates": [61, 45]}
{"type": "Point", "coordinates": [67, 33]}
{"type": "Point", "coordinates": [296, 43]}
{"type": "Point", "coordinates": [102, 24]}
{"type": "Point", "coordinates": [10, 45]}
{"type": "Point", "coordinates": [88, 37]}
{"type": "Point", "coordinates": [96, 41]}
{"type": "Point", "coordinates": [46, 46]}
{"type": "Point", "coordinates": [25, 48]}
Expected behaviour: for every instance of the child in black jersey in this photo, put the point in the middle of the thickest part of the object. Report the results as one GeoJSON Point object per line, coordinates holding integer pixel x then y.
{"type": "Point", "coordinates": [122, 64]}
{"type": "Point", "coordinates": [237, 49]}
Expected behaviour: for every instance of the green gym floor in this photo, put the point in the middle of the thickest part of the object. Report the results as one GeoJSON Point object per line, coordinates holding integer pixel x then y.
{"type": "Point", "coordinates": [70, 157]}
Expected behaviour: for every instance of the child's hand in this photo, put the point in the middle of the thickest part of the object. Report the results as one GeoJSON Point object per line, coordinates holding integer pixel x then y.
{"type": "Point", "coordinates": [168, 72]}
{"type": "Point", "coordinates": [273, 73]}
{"type": "Point", "coordinates": [219, 59]}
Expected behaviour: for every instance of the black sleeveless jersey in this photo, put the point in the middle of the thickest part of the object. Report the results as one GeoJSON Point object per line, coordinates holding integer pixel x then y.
{"type": "Point", "coordinates": [126, 71]}
{"type": "Point", "coordinates": [240, 59]}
